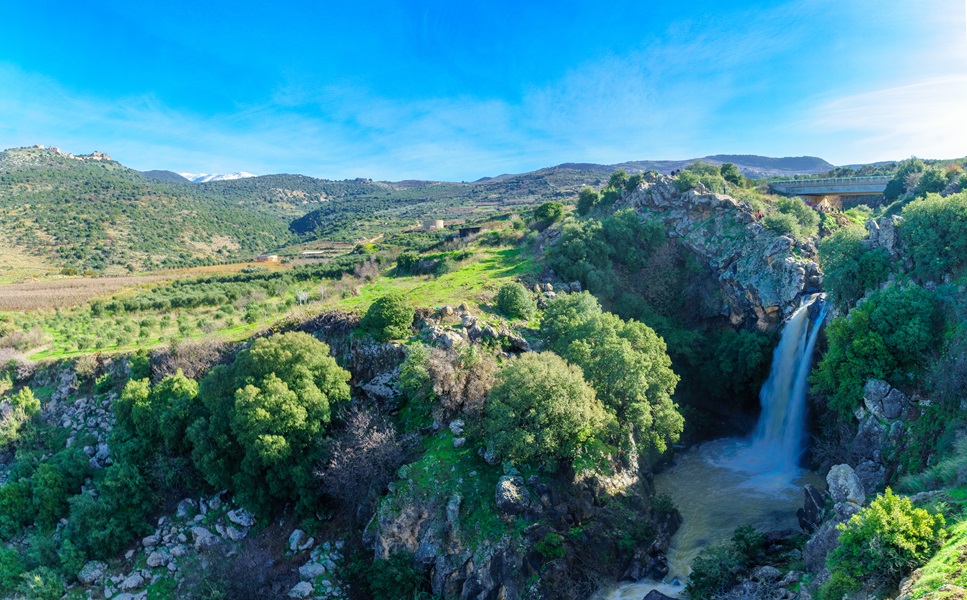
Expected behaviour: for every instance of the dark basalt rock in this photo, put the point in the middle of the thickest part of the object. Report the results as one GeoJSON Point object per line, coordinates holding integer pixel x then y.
{"type": "Point", "coordinates": [811, 514]}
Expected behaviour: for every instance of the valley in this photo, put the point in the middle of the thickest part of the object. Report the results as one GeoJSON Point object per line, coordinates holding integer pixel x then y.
{"type": "Point", "coordinates": [526, 409]}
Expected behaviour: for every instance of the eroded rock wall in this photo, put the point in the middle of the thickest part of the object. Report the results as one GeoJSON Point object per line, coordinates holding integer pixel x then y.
{"type": "Point", "coordinates": [762, 275]}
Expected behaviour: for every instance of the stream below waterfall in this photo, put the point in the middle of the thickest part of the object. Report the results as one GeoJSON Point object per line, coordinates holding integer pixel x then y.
{"type": "Point", "coordinates": [719, 486]}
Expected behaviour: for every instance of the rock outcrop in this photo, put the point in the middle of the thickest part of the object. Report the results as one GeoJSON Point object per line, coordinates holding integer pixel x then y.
{"type": "Point", "coordinates": [762, 275]}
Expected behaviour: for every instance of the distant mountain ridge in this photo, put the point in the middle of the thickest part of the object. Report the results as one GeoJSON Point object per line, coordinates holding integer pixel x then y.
{"type": "Point", "coordinates": [206, 177]}
{"type": "Point", "coordinates": [750, 165]}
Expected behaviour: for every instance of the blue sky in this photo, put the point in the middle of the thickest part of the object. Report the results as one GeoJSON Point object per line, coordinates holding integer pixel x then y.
{"type": "Point", "coordinates": [459, 90]}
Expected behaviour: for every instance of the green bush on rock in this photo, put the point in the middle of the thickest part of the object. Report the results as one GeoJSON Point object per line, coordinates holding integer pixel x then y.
{"type": "Point", "coordinates": [514, 301]}
{"type": "Point", "coordinates": [882, 543]}
{"type": "Point", "coordinates": [541, 410]}
{"type": "Point", "coordinates": [388, 318]}
{"type": "Point", "coordinates": [265, 415]}
{"type": "Point", "coordinates": [890, 335]}
{"type": "Point", "coordinates": [850, 266]}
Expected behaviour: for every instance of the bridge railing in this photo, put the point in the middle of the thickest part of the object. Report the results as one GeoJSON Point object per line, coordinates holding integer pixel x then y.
{"type": "Point", "coordinates": [829, 180]}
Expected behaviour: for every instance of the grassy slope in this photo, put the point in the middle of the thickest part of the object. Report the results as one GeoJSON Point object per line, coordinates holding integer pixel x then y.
{"type": "Point", "coordinates": [474, 282]}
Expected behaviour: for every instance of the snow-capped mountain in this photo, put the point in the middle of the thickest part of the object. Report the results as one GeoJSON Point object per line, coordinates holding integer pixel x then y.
{"type": "Point", "coordinates": [206, 177]}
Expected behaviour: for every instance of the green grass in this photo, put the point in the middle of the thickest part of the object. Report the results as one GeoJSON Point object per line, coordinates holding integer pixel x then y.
{"type": "Point", "coordinates": [474, 282]}
{"type": "Point", "coordinates": [443, 471]}
{"type": "Point", "coordinates": [947, 566]}
{"type": "Point", "coordinates": [77, 331]}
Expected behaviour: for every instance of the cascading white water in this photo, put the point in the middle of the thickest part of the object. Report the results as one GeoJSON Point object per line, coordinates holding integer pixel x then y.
{"type": "Point", "coordinates": [779, 435]}
{"type": "Point", "coordinates": [760, 477]}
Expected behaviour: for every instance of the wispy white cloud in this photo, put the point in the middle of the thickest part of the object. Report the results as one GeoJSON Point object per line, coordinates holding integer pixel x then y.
{"type": "Point", "coordinates": [927, 117]}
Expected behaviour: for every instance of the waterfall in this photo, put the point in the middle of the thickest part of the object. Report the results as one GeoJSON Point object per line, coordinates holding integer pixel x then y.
{"type": "Point", "coordinates": [779, 435]}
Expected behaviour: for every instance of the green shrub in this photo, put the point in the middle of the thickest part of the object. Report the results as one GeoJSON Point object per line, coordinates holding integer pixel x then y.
{"type": "Point", "coordinates": [263, 418]}
{"type": "Point", "coordinates": [618, 179]}
{"type": "Point", "coordinates": [23, 406]}
{"type": "Point", "coordinates": [551, 546]}
{"type": "Point", "coordinates": [102, 527]}
{"type": "Point", "coordinates": [882, 543]}
{"type": "Point", "coordinates": [515, 302]}
{"type": "Point", "coordinates": [416, 383]}
{"type": "Point", "coordinates": [935, 232]}
{"type": "Point", "coordinates": [587, 200]}
{"type": "Point", "coordinates": [389, 318]}
{"type": "Point", "coordinates": [851, 268]}
{"type": "Point", "coordinates": [633, 182]}
{"type": "Point", "coordinates": [782, 224]}
{"type": "Point", "coordinates": [43, 583]}
{"type": "Point", "coordinates": [395, 578]}
{"type": "Point", "coordinates": [891, 335]}
{"type": "Point", "coordinates": [11, 570]}
{"type": "Point", "coordinates": [541, 410]}
{"type": "Point", "coordinates": [548, 213]}
{"type": "Point", "coordinates": [713, 571]}
{"type": "Point", "coordinates": [624, 361]}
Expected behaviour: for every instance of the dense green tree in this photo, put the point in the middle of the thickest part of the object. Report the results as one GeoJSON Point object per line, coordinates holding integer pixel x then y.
{"type": "Point", "coordinates": [731, 174]}
{"type": "Point", "coordinates": [266, 414]}
{"type": "Point", "coordinates": [389, 317]}
{"type": "Point", "coordinates": [587, 200]}
{"type": "Point", "coordinates": [103, 526]}
{"type": "Point", "coordinates": [618, 179]}
{"type": "Point", "coordinates": [851, 267]}
{"type": "Point", "coordinates": [152, 416]}
{"type": "Point", "coordinates": [891, 335]}
{"type": "Point", "coordinates": [549, 213]}
{"type": "Point", "coordinates": [514, 301]}
{"type": "Point", "coordinates": [935, 232]}
{"type": "Point", "coordinates": [932, 181]}
{"type": "Point", "coordinates": [15, 411]}
{"type": "Point", "coordinates": [540, 410]}
{"type": "Point", "coordinates": [625, 361]}
{"type": "Point", "coordinates": [907, 171]}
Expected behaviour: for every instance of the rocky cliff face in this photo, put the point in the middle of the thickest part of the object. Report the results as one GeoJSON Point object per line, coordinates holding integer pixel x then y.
{"type": "Point", "coordinates": [762, 275]}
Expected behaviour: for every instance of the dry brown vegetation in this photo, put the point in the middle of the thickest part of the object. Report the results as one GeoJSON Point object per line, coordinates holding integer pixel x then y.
{"type": "Point", "coordinates": [62, 293]}
{"type": "Point", "coordinates": [74, 291]}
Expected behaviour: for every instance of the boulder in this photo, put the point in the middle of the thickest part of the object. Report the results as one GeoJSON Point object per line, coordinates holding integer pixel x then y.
{"type": "Point", "coordinates": [158, 559]}
{"type": "Point", "coordinates": [186, 508]}
{"type": "Point", "coordinates": [872, 475]}
{"type": "Point", "coordinates": [844, 485]}
{"type": "Point", "coordinates": [91, 572]}
{"type": "Point", "coordinates": [150, 541]}
{"type": "Point", "coordinates": [241, 517]}
{"type": "Point", "coordinates": [203, 537]}
{"type": "Point", "coordinates": [512, 497]}
{"type": "Point", "coordinates": [884, 402]}
{"type": "Point", "coordinates": [811, 514]}
{"type": "Point", "coordinates": [656, 595]}
{"type": "Point", "coordinates": [296, 539]}
{"type": "Point", "coordinates": [456, 426]}
{"type": "Point", "coordinates": [303, 589]}
{"type": "Point", "coordinates": [132, 582]}
{"type": "Point", "coordinates": [766, 574]}
{"type": "Point", "coordinates": [311, 570]}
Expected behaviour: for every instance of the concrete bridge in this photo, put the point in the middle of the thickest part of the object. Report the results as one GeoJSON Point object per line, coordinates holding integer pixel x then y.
{"type": "Point", "coordinates": [817, 189]}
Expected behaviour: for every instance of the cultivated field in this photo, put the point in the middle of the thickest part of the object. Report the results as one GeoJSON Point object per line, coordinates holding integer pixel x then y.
{"type": "Point", "coordinates": [63, 292]}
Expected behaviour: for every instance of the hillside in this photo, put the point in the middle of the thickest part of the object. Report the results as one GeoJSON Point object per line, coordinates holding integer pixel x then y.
{"type": "Point", "coordinates": [91, 213]}
{"type": "Point", "coordinates": [169, 176]}
{"type": "Point", "coordinates": [749, 165]}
